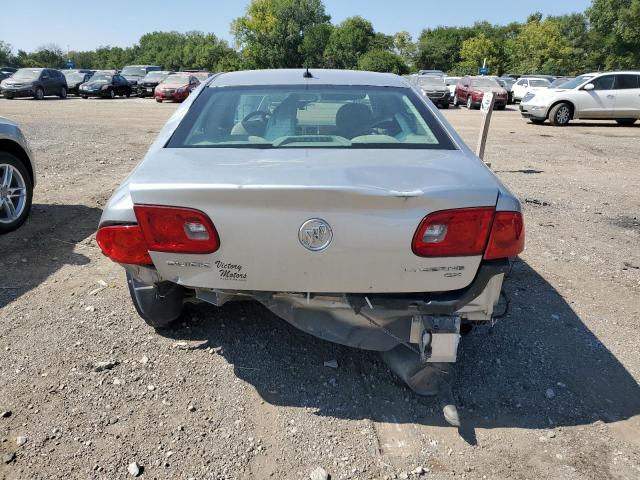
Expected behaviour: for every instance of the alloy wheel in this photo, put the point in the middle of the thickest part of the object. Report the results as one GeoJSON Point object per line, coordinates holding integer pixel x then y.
{"type": "Point", "coordinates": [469, 103]}
{"type": "Point", "coordinates": [563, 115]}
{"type": "Point", "coordinates": [13, 194]}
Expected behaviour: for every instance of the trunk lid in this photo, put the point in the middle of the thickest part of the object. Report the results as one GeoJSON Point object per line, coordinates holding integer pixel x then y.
{"type": "Point", "coordinates": [373, 201]}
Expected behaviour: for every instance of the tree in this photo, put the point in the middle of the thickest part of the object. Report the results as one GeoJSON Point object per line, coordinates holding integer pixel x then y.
{"type": "Point", "coordinates": [314, 44]}
{"type": "Point", "coordinates": [50, 55]}
{"type": "Point", "coordinates": [348, 41]}
{"type": "Point", "coordinates": [541, 48]}
{"type": "Point", "coordinates": [383, 61]}
{"type": "Point", "coordinates": [617, 24]}
{"type": "Point", "coordinates": [439, 48]}
{"type": "Point", "coordinates": [403, 45]}
{"type": "Point", "coordinates": [473, 53]}
{"type": "Point", "coordinates": [271, 33]}
{"type": "Point", "coordinates": [5, 53]}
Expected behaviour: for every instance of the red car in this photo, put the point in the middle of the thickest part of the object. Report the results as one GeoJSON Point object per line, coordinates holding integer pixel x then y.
{"type": "Point", "coordinates": [176, 87]}
{"type": "Point", "coordinates": [470, 91]}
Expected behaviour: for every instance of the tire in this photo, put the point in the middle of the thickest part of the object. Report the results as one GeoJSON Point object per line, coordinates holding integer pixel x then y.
{"type": "Point", "coordinates": [455, 100]}
{"type": "Point", "coordinates": [21, 206]}
{"type": "Point", "coordinates": [39, 95]}
{"type": "Point", "coordinates": [160, 304]}
{"type": "Point", "coordinates": [84, 97]}
{"type": "Point", "coordinates": [445, 106]}
{"type": "Point", "coordinates": [63, 93]}
{"type": "Point", "coordinates": [560, 115]}
{"type": "Point", "coordinates": [537, 121]}
{"type": "Point", "coordinates": [501, 107]}
{"type": "Point", "coordinates": [8, 97]}
{"type": "Point", "coordinates": [626, 121]}
{"type": "Point", "coordinates": [159, 100]}
{"type": "Point", "coordinates": [469, 102]}
{"type": "Point", "coordinates": [112, 93]}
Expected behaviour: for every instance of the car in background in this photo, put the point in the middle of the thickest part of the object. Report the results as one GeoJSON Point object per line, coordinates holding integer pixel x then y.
{"type": "Point", "coordinates": [528, 84]}
{"type": "Point", "coordinates": [135, 73]}
{"type": "Point", "coordinates": [17, 176]}
{"type": "Point", "coordinates": [507, 83]}
{"type": "Point", "coordinates": [75, 78]}
{"type": "Point", "coordinates": [331, 169]}
{"type": "Point", "coordinates": [594, 96]}
{"type": "Point", "coordinates": [148, 84]}
{"type": "Point", "coordinates": [451, 83]}
{"type": "Point", "coordinates": [6, 72]}
{"type": "Point", "coordinates": [201, 75]}
{"type": "Point", "coordinates": [559, 81]}
{"type": "Point", "coordinates": [105, 86]}
{"type": "Point", "coordinates": [433, 73]}
{"type": "Point", "coordinates": [470, 91]}
{"type": "Point", "coordinates": [176, 87]}
{"type": "Point", "coordinates": [433, 88]}
{"type": "Point", "coordinates": [34, 82]}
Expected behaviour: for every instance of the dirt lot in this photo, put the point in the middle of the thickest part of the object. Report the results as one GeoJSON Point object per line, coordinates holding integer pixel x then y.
{"type": "Point", "coordinates": [552, 392]}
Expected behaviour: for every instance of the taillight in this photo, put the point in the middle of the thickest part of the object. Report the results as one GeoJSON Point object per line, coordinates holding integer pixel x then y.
{"type": "Point", "coordinates": [507, 236]}
{"type": "Point", "coordinates": [453, 233]}
{"type": "Point", "coordinates": [124, 244]}
{"type": "Point", "coordinates": [176, 229]}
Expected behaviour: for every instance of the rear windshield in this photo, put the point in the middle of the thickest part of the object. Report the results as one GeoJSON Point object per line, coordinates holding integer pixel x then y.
{"type": "Point", "coordinates": [177, 79]}
{"type": "Point", "coordinates": [309, 117]}
{"type": "Point", "coordinates": [156, 76]}
{"type": "Point", "coordinates": [429, 82]}
{"type": "Point", "coordinates": [134, 71]}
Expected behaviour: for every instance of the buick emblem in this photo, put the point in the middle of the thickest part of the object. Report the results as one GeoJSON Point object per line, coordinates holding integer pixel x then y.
{"type": "Point", "coordinates": [315, 234]}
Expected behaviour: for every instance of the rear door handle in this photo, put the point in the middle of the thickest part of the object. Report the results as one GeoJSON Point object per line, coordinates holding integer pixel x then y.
{"type": "Point", "coordinates": [611, 96]}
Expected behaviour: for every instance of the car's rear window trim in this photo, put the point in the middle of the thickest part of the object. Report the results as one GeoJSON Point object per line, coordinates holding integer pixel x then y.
{"type": "Point", "coordinates": [445, 142]}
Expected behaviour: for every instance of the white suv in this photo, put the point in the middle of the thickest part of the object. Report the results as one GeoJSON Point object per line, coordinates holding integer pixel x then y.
{"type": "Point", "coordinates": [594, 96]}
{"type": "Point", "coordinates": [526, 85]}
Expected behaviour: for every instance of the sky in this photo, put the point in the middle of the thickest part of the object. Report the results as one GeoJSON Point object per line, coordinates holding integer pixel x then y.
{"type": "Point", "coordinates": [85, 25]}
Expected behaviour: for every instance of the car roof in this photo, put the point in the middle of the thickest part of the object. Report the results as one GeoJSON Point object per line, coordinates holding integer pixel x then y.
{"type": "Point", "coordinates": [593, 74]}
{"type": "Point", "coordinates": [295, 77]}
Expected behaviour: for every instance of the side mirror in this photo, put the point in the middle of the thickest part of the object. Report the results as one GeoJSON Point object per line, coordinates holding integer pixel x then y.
{"type": "Point", "coordinates": [588, 87]}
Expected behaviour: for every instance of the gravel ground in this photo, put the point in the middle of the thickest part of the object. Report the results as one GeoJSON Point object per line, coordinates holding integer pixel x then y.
{"type": "Point", "coordinates": [87, 389]}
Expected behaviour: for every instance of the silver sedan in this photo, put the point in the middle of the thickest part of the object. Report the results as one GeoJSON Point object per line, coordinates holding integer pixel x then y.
{"type": "Point", "coordinates": [17, 176]}
{"type": "Point", "coordinates": [342, 201]}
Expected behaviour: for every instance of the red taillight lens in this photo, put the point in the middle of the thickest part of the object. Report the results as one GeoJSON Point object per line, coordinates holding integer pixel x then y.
{"type": "Point", "coordinates": [176, 229]}
{"type": "Point", "coordinates": [507, 236]}
{"type": "Point", "coordinates": [453, 233]}
{"type": "Point", "coordinates": [124, 244]}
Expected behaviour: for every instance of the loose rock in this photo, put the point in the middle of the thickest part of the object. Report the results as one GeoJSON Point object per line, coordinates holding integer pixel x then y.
{"type": "Point", "coordinates": [133, 469]}
{"type": "Point", "coordinates": [106, 365]}
{"type": "Point", "coordinates": [21, 440]}
{"type": "Point", "coordinates": [319, 474]}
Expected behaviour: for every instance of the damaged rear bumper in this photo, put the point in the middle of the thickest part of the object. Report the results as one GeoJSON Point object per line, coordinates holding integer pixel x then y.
{"type": "Point", "coordinates": [376, 322]}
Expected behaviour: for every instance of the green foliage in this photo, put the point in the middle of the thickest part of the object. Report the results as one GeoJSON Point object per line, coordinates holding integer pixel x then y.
{"type": "Point", "coordinates": [403, 45]}
{"type": "Point", "coordinates": [5, 53]}
{"type": "Point", "coordinates": [475, 50]}
{"type": "Point", "coordinates": [314, 44]}
{"type": "Point", "coordinates": [440, 47]}
{"type": "Point", "coordinates": [617, 25]}
{"type": "Point", "coordinates": [348, 41]}
{"type": "Point", "coordinates": [541, 48]}
{"type": "Point", "coordinates": [383, 61]}
{"type": "Point", "coordinates": [271, 33]}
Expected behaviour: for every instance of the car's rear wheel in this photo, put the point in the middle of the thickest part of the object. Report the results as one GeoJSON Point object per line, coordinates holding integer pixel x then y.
{"type": "Point", "coordinates": [445, 105]}
{"type": "Point", "coordinates": [626, 121]}
{"type": "Point", "coordinates": [456, 102]}
{"type": "Point", "coordinates": [500, 107]}
{"type": "Point", "coordinates": [63, 93]}
{"type": "Point", "coordinates": [560, 115]}
{"type": "Point", "coordinates": [16, 192]}
{"type": "Point", "coordinates": [112, 93]}
{"type": "Point", "coordinates": [159, 304]}
{"type": "Point", "coordinates": [159, 100]}
{"type": "Point", "coordinates": [9, 97]}
{"type": "Point", "coordinates": [85, 97]}
{"type": "Point", "coordinates": [39, 95]}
